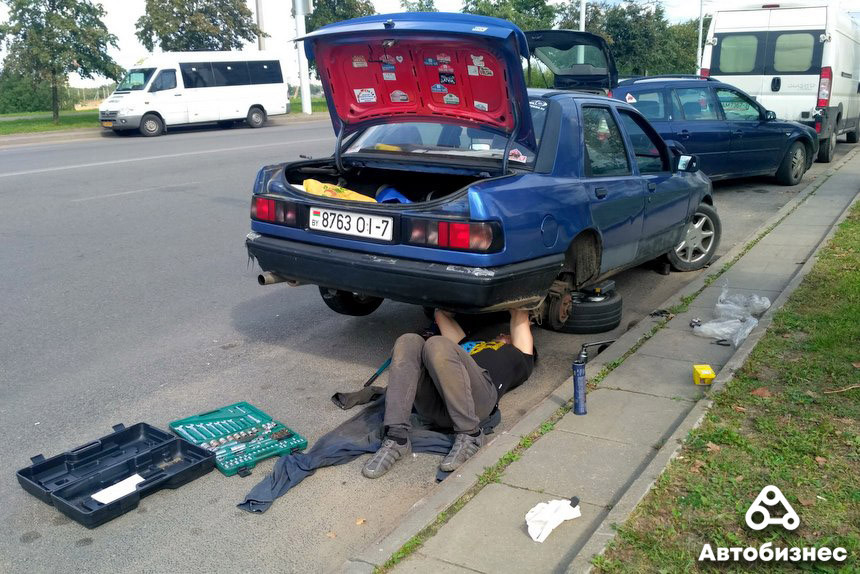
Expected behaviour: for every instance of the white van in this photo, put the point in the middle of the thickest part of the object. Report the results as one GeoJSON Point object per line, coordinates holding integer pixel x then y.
{"type": "Point", "coordinates": [178, 88]}
{"type": "Point", "coordinates": [799, 59]}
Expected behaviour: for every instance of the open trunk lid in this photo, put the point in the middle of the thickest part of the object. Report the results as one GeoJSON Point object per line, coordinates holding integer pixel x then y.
{"type": "Point", "coordinates": [577, 60]}
{"type": "Point", "coordinates": [441, 67]}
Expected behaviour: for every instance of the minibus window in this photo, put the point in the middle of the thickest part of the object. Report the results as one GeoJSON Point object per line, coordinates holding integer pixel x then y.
{"type": "Point", "coordinates": [793, 52]}
{"type": "Point", "coordinates": [231, 73]}
{"type": "Point", "coordinates": [165, 80]}
{"type": "Point", "coordinates": [266, 72]}
{"type": "Point", "coordinates": [197, 75]}
{"type": "Point", "coordinates": [738, 53]}
{"type": "Point", "coordinates": [136, 79]}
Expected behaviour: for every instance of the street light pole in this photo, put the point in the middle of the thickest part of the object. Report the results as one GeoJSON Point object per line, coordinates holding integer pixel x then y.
{"type": "Point", "coordinates": [261, 40]}
{"type": "Point", "coordinates": [699, 45]}
{"type": "Point", "coordinates": [582, 15]}
{"type": "Point", "coordinates": [301, 8]}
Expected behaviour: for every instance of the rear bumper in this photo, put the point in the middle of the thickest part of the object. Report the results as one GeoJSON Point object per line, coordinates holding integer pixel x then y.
{"type": "Point", "coordinates": [444, 285]}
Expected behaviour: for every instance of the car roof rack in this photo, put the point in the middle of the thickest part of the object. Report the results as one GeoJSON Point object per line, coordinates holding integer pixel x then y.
{"type": "Point", "coordinates": [636, 79]}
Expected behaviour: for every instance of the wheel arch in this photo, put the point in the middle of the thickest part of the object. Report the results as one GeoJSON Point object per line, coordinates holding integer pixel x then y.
{"type": "Point", "coordinates": [261, 106]}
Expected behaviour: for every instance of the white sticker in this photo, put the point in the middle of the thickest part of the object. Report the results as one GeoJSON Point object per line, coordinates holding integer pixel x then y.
{"type": "Point", "coordinates": [445, 69]}
{"type": "Point", "coordinates": [386, 59]}
{"type": "Point", "coordinates": [517, 155]}
{"type": "Point", "coordinates": [630, 99]}
{"type": "Point", "coordinates": [399, 96]}
{"type": "Point", "coordinates": [451, 99]}
{"type": "Point", "coordinates": [359, 62]}
{"type": "Point", "coordinates": [389, 76]}
{"type": "Point", "coordinates": [473, 70]}
{"type": "Point", "coordinates": [443, 58]}
{"type": "Point", "coordinates": [485, 71]}
{"type": "Point", "coordinates": [481, 106]}
{"type": "Point", "coordinates": [399, 59]}
{"type": "Point", "coordinates": [479, 29]}
{"type": "Point", "coordinates": [477, 60]}
{"type": "Point", "coordinates": [365, 96]}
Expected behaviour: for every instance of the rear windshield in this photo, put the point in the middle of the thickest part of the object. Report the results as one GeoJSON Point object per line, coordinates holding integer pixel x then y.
{"type": "Point", "coordinates": [771, 53]}
{"type": "Point", "coordinates": [577, 60]}
{"type": "Point", "coordinates": [444, 139]}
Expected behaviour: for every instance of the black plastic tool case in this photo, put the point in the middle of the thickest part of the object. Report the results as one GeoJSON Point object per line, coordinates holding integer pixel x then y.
{"type": "Point", "coordinates": [69, 480]}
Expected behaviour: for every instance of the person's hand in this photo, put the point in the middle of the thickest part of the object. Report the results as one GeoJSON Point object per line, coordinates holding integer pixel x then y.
{"type": "Point", "coordinates": [444, 313]}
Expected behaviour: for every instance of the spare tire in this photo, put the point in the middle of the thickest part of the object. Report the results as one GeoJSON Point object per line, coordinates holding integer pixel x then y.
{"type": "Point", "coordinates": [593, 314]}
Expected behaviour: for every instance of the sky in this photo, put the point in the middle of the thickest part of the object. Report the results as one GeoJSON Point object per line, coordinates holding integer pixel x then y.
{"type": "Point", "coordinates": [277, 22]}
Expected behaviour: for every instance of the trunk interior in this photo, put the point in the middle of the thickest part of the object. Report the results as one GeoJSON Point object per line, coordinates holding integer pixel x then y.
{"type": "Point", "coordinates": [383, 185]}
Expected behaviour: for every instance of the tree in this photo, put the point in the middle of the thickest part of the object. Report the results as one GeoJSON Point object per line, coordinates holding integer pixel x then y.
{"type": "Point", "coordinates": [21, 93]}
{"type": "Point", "coordinates": [48, 39]}
{"type": "Point", "coordinates": [527, 14]}
{"type": "Point", "coordinates": [419, 5]}
{"type": "Point", "coordinates": [185, 25]}
{"type": "Point", "coordinates": [328, 11]}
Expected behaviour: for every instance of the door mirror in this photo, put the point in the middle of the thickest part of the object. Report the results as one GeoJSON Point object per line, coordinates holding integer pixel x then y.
{"type": "Point", "coordinates": [688, 163]}
{"type": "Point", "coordinates": [769, 115]}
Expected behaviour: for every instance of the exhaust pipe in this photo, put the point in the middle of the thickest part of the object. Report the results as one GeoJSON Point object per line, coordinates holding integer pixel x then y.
{"type": "Point", "coordinates": [269, 278]}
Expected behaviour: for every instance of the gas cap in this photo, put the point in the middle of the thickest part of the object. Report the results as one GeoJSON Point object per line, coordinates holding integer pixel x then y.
{"type": "Point", "coordinates": [549, 230]}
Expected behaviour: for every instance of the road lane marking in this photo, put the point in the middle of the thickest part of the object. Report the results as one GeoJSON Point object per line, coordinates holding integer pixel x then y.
{"type": "Point", "coordinates": [158, 187]}
{"type": "Point", "coordinates": [154, 157]}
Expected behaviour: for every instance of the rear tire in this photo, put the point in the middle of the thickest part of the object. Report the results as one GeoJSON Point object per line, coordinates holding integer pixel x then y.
{"type": "Point", "coordinates": [151, 125]}
{"type": "Point", "coordinates": [347, 303]}
{"type": "Point", "coordinates": [256, 117]}
{"type": "Point", "coordinates": [702, 237]}
{"type": "Point", "coordinates": [589, 314]}
{"type": "Point", "coordinates": [851, 136]}
{"type": "Point", "coordinates": [826, 149]}
{"type": "Point", "coordinates": [793, 165]}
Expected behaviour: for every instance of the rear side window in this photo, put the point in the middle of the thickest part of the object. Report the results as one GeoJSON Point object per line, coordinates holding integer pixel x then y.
{"type": "Point", "coordinates": [648, 148]}
{"type": "Point", "coordinates": [265, 72]}
{"type": "Point", "coordinates": [605, 154]}
{"type": "Point", "coordinates": [696, 104]}
{"type": "Point", "coordinates": [231, 73]}
{"type": "Point", "coordinates": [650, 104]}
{"type": "Point", "coordinates": [738, 54]}
{"type": "Point", "coordinates": [197, 75]}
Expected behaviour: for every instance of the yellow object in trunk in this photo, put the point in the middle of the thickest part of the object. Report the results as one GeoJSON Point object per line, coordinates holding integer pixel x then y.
{"type": "Point", "coordinates": [315, 187]}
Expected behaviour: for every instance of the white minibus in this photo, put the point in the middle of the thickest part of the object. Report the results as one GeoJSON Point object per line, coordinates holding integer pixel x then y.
{"type": "Point", "coordinates": [179, 88]}
{"type": "Point", "coordinates": [799, 59]}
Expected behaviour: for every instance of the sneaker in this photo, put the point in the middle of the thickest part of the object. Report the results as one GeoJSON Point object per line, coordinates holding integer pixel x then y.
{"type": "Point", "coordinates": [382, 461]}
{"type": "Point", "coordinates": [464, 448]}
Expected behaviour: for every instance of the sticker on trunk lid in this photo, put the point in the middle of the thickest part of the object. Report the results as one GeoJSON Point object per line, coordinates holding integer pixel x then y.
{"type": "Point", "coordinates": [359, 62]}
{"type": "Point", "coordinates": [473, 70]}
{"type": "Point", "coordinates": [447, 79]}
{"type": "Point", "coordinates": [451, 99]}
{"type": "Point", "coordinates": [389, 76]}
{"type": "Point", "coordinates": [387, 67]}
{"type": "Point", "coordinates": [430, 62]}
{"type": "Point", "coordinates": [386, 60]}
{"type": "Point", "coordinates": [438, 89]}
{"type": "Point", "coordinates": [365, 96]}
{"type": "Point", "coordinates": [399, 96]}
{"type": "Point", "coordinates": [481, 106]}
{"type": "Point", "coordinates": [443, 58]}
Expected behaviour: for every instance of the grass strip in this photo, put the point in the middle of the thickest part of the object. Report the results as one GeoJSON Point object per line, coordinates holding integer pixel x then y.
{"type": "Point", "coordinates": [790, 417]}
{"type": "Point", "coordinates": [68, 121]}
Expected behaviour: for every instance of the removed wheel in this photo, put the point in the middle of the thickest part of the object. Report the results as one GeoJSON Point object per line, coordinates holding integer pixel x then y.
{"type": "Point", "coordinates": [151, 125]}
{"type": "Point", "coordinates": [826, 148]}
{"type": "Point", "coordinates": [585, 314]}
{"type": "Point", "coordinates": [347, 303]}
{"type": "Point", "coordinates": [793, 165]}
{"type": "Point", "coordinates": [700, 242]}
{"type": "Point", "coordinates": [256, 117]}
{"type": "Point", "coordinates": [851, 137]}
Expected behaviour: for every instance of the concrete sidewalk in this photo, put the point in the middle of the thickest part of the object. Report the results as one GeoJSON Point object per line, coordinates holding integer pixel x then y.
{"type": "Point", "coordinates": [611, 457]}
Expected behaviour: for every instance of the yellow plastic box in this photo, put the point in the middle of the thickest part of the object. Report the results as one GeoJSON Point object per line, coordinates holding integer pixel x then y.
{"type": "Point", "coordinates": [703, 374]}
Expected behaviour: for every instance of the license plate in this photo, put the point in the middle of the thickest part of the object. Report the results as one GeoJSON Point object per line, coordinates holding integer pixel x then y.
{"type": "Point", "coordinates": [347, 223]}
{"type": "Point", "coordinates": [107, 124]}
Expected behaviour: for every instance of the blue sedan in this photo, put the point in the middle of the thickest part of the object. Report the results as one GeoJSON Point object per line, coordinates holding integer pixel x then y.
{"type": "Point", "coordinates": [452, 185]}
{"type": "Point", "coordinates": [732, 134]}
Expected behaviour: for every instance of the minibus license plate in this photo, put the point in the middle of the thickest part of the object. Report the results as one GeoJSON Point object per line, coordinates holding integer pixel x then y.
{"type": "Point", "coordinates": [107, 124]}
{"type": "Point", "coordinates": [346, 223]}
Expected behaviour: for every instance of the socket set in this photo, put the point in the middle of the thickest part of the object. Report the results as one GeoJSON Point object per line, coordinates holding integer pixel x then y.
{"type": "Point", "coordinates": [240, 435]}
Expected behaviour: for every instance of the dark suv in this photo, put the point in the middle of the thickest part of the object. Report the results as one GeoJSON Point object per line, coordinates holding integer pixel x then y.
{"type": "Point", "coordinates": [731, 133]}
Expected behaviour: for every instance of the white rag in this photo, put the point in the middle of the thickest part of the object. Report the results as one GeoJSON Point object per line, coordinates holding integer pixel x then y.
{"type": "Point", "coordinates": [545, 516]}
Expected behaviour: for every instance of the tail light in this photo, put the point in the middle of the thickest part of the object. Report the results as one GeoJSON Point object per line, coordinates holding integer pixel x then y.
{"type": "Point", "coordinates": [609, 94]}
{"type": "Point", "coordinates": [705, 72]}
{"type": "Point", "coordinates": [468, 236]}
{"type": "Point", "coordinates": [273, 210]}
{"type": "Point", "coordinates": [824, 84]}
{"type": "Point", "coordinates": [818, 127]}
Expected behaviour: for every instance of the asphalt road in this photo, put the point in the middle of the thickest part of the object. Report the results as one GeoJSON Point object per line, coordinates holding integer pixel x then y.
{"type": "Point", "coordinates": [127, 297]}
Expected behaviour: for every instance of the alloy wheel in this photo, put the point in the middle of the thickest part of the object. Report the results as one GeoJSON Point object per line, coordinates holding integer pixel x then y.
{"type": "Point", "coordinates": [698, 240]}
{"type": "Point", "coordinates": [798, 163]}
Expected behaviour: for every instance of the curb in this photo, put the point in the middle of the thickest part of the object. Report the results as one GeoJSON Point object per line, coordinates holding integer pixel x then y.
{"type": "Point", "coordinates": [641, 486]}
{"type": "Point", "coordinates": [424, 512]}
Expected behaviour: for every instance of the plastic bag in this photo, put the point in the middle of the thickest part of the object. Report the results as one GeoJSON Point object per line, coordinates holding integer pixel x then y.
{"type": "Point", "coordinates": [735, 317]}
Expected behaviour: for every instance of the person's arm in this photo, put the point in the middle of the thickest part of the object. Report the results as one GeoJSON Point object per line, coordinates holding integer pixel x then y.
{"type": "Point", "coordinates": [521, 331]}
{"type": "Point", "coordinates": [449, 328]}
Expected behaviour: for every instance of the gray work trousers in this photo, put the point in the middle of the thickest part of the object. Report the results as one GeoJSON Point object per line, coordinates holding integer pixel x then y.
{"type": "Point", "coordinates": [447, 387]}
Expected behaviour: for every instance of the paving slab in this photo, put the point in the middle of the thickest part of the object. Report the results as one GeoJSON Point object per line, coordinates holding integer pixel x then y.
{"type": "Point", "coordinates": [627, 417]}
{"type": "Point", "coordinates": [760, 274]}
{"type": "Point", "coordinates": [658, 376]}
{"type": "Point", "coordinates": [490, 535]}
{"type": "Point", "coordinates": [566, 464]}
{"type": "Point", "coordinates": [681, 346]}
{"type": "Point", "coordinates": [420, 564]}
{"type": "Point", "coordinates": [780, 240]}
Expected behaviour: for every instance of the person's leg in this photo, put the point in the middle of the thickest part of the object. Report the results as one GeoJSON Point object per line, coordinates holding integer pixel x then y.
{"type": "Point", "coordinates": [405, 375]}
{"type": "Point", "coordinates": [468, 393]}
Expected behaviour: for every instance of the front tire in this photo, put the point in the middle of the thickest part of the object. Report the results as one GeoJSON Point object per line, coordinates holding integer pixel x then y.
{"type": "Point", "coordinates": [701, 239]}
{"type": "Point", "coordinates": [826, 149]}
{"type": "Point", "coordinates": [256, 117]}
{"type": "Point", "coordinates": [151, 125]}
{"type": "Point", "coordinates": [348, 303]}
{"type": "Point", "coordinates": [793, 165]}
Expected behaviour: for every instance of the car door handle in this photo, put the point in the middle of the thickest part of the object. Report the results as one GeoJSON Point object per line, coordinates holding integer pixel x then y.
{"type": "Point", "coordinates": [739, 133]}
{"type": "Point", "coordinates": [600, 192]}
{"type": "Point", "coordinates": [652, 187]}
{"type": "Point", "coordinates": [684, 135]}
